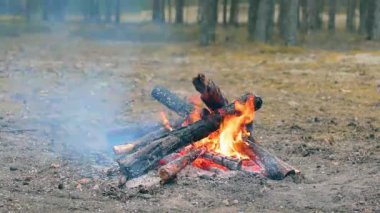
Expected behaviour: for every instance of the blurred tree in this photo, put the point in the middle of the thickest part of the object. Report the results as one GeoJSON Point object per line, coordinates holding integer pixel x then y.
{"type": "Point", "coordinates": [311, 15]}
{"type": "Point", "coordinates": [234, 13]}
{"type": "Point", "coordinates": [46, 9]}
{"type": "Point", "coordinates": [225, 5]}
{"type": "Point", "coordinates": [320, 9]}
{"type": "Point", "coordinates": [281, 19]}
{"type": "Point", "coordinates": [291, 21]}
{"type": "Point", "coordinates": [117, 11]}
{"type": "Point", "coordinates": [264, 18]}
{"type": "Point", "coordinates": [363, 10]}
{"type": "Point", "coordinates": [270, 21]}
{"type": "Point", "coordinates": [350, 15]}
{"type": "Point", "coordinates": [108, 10]}
{"type": "Point", "coordinates": [332, 12]}
{"type": "Point", "coordinates": [214, 12]}
{"type": "Point", "coordinates": [179, 6]}
{"type": "Point", "coordinates": [208, 24]}
{"type": "Point", "coordinates": [28, 9]}
{"type": "Point", "coordinates": [373, 20]}
{"type": "Point", "coordinates": [158, 13]}
{"type": "Point", "coordinates": [252, 18]}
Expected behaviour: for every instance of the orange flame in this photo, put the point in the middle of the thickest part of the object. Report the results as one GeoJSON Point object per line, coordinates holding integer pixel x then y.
{"type": "Point", "coordinates": [165, 121]}
{"type": "Point", "coordinates": [229, 139]}
{"type": "Point", "coordinates": [196, 115]}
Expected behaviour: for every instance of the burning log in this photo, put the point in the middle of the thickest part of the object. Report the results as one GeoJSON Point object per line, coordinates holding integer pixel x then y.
{"type": "Point", "coordinates": [211, 94]}
{"type": "Point", "coordinates": [275, 168]}
{"type": "Point", "coordinates": [172, 101]}
{"type": "Point", "coordinates": [170, 170]}
{"type": "Point", "coordinates": [229, 163]}
{"type": "Point", "coordinates": [147, 157]}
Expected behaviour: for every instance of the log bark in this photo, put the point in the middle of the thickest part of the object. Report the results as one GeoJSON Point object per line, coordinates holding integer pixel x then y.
{"type": "Point", "coordinates": [214, 99]}
{"type": "Point", "coordinates": [148, 156]}
{"type": "Point", "coordinates": [211, 94]}
{"type": "Point", "coordinates": [269, 165]}
{"type": "Point", "coordinates": [229, 163]}
{"type": "Point", "coordinates": [172, 101]}
{"type": "Point", "coordinates": [170, 170]}
{"type": "Point", "coordinates": [275, 168]}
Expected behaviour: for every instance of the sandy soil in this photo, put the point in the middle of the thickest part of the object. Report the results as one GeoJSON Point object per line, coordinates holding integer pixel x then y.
{"type": "Point", "coordinates": [321, 114]}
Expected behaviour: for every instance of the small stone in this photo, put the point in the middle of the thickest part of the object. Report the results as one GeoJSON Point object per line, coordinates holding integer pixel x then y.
{"type": "Point", "coordinates": [60, 186]}
{"type": "Point", "coordinates": [28, 179]}
{"type": "Point", "coordinates": [235, 201]}
{"type": "Point", "coordinates": [55, 165]}
{"type": "Point", "coordinates": [226, 202]}
{"type": "Point", "coordinates": [74, 195]}
{"type": "Point", "coordinates": [12, 168]}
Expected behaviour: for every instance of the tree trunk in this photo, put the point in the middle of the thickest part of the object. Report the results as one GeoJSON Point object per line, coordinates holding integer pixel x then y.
{"type": "Point", "coordinates": [332, 12]}
{"type": "Point", "coordinates": [117, 11]}
{"type": "Point", "coordinates": [281, 21]}
{"type": "Point", "coordinates": [61, 9]}
{"type": "Point", "coordinates": [225, 4]}
{"type": "Point", "coordinates": [158, 13]}
{"type": "Point", "coordinates": [320, 9]}
{"type": "Point", "coordinates": [312, 10]}
{"type": "Point", "coordinates": [363, 9]}
{"type": "Point", "coordinates": [46, 9]}
{"type": "Point", "coordinates": [291, 22]}
{"type": "Point", "coordinates": [179, 5]}
{"type": "Point", "coordinates": [234, 13]}
{"type": "Point", "coordinates": [108, 11]}
{"type": "Point", "coordinates": [252, 18]}
{"type": "Point", "coordinates": [376, 21]}
{"type": "Point", "coordinates": [350, 15]}
{"type": "Point", "coordinates": [208, 24]}
{"type": "Point", "coordinates": [262, 21]}
{"type": "Point", "coordinates": [199, 11]}
{"type": "Point", "coordinates": [305, 16]}
{"type": "Point", "coordinates": [28, 10]}
{"type": "Point", "coordinates": [270, 21]}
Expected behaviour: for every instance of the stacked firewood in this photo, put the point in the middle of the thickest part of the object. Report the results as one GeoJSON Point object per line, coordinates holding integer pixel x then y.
{"type": "Point", "coordinates": [158, 146]}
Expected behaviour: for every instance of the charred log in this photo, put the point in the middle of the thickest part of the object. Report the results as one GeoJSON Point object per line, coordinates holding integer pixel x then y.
{"type": "Point", "coordinates": [229, 163]}
{"type": "Point", "coordinates": [170, 170]}
{"type": "Point", "coordinates": [172, 101]}
{"type": "Point", "coordinates": [275, 168]}
{"type": "Point", "coordinates": [211, 94]}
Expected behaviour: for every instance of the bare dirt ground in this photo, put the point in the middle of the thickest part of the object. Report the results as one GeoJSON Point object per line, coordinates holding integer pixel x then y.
{"type": "Point", "coordinates": [321, 114]}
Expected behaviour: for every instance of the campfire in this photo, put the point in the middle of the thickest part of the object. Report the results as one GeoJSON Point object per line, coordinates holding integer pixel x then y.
{"type": "Point", "coordinates": [216, 138]}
